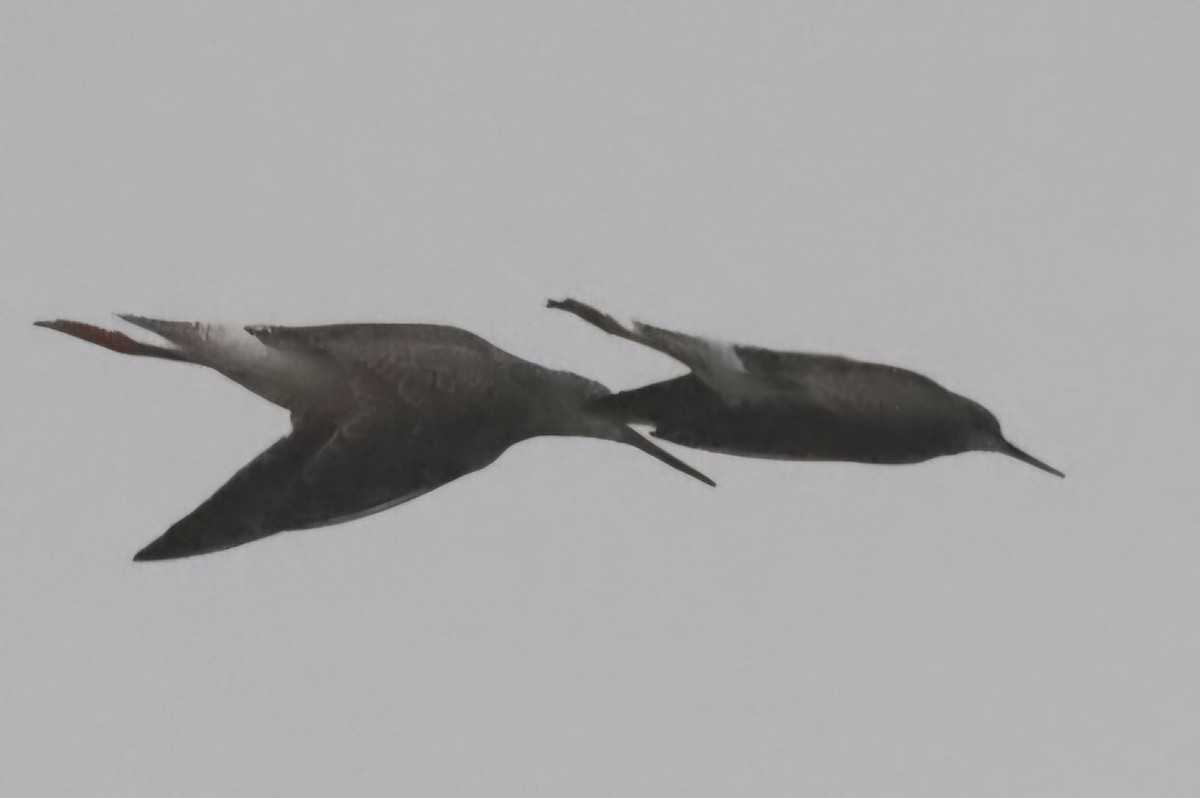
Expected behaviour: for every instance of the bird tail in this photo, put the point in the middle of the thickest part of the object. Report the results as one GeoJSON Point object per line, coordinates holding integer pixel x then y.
{"type": "Point", "coordinates": [113, 340]}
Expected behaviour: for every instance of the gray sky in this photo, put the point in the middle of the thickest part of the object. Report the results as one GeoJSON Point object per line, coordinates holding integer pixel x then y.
{"type": "Point", "coordinates": [1004, 196]}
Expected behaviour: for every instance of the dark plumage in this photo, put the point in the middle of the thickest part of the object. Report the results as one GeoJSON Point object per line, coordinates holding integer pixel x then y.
{"type": "Point", "coordinates": [381, 413]}
{"type": "Point", "coordinates": [795, 406]}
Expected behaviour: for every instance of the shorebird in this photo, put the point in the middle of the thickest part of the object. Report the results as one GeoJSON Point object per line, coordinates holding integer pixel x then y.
{"type": "Point", "coordinates": [381, 413]}
{"type": "Point", "coordinates": [796, 406]}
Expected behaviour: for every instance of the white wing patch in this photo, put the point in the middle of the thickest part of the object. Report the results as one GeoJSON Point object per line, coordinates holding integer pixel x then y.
{"type": "Point", "coordinates": [715, 362]}
{"type": "Point", "coordinates": [292, 379]}
{"type": "Point", "coordinates": [289, 378]}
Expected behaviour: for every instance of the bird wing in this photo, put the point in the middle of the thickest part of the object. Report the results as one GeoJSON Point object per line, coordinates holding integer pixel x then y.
{"type": "Point", "coordinates": [366, 338]}
{"type": "Point", "coordinates": [840, 385]}
{"type": "Point", "coordinates": [419, 365]}
{"type": "Point", "coordinates": [248, 505]}
{"type": "Point", "coordinates": [419, 415]}
{"type": "Point", "coordinates": [741, 375]}
{"type": "Point", "coordinates": [716, 363]}
{"type": "Point", "coordinates": [322, 474]}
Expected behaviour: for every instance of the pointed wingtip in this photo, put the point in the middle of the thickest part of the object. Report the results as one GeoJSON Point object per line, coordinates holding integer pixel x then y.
{"type": "Point", "coordinates": [152, 554]}
{"type": "Point", "coordinates": [154, 325]}
{"type": "Point", "coordinates": [60, 325]}
{"type": "Point", "coordinates": [572, 306]}
{"type": "Point", "coordinates": [171, 545]}
{"type": "Point", "coordinates": [154, 551]}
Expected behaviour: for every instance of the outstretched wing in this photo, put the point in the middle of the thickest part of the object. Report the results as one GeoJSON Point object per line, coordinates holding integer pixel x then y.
{"type": "Point", "coordinates": [737, 373]}
{"type": "Point", "coordinates": [718, 365]}
{"type": "Point", "coordinates": [696, 353]}
{"type": "Point", "coordinates": [318, 475]}
{"type": "Point", "coordinates": [418, 365]}
{"type": "Point", "coordinates": [842, 385]}
{"type": "Point", "coordinates": [248, 506]}
{"type": "Point", "coordinates": [375, 340]}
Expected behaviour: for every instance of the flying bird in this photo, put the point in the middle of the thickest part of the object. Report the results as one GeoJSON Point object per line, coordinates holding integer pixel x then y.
{"type": "Point", "coordinates": [757, 402]}
{"type": "Point", "coordinates": [381, 413]}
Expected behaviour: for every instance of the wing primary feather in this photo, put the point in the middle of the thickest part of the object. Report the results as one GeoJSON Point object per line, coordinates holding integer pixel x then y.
{"type": "Point", "coordinates": [252, 504]}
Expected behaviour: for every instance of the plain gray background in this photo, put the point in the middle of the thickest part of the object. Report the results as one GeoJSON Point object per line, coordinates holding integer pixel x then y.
{"type": "Point", "coordinates": [1003, 195]}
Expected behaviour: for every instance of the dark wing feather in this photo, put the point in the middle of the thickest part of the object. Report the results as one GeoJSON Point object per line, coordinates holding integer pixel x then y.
{"type": "Point", "coordinates": [423, 415]}
{"type": "Point", "coordinates": [365, 337]}
{"type": "Point", "coordinates": [321, 475]}
{"type": "Point", "coordinates": [419, 365]}
{"type": "Point", "coordinates": [838, 384]}
{"type": "Point", "coordinates": [244, 508]}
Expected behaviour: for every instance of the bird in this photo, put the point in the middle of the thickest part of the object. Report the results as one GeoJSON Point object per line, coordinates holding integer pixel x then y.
{"type": "Point", "coordinates": [381, 414]}
{"type": "Point", "coordinates": [756, 402]}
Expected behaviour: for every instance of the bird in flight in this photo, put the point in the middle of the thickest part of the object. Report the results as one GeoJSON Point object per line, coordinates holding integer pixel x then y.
{"type": "Point", "coordinates": [381, 413]}
{"type": "Point", "coordinates": [757, 402]}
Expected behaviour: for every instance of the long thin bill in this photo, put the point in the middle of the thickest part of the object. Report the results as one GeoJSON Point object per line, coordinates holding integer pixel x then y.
{"type": "Point", "coordinates": [634, 439]}
{"type": "Point", "coordinates": [1013, 451]}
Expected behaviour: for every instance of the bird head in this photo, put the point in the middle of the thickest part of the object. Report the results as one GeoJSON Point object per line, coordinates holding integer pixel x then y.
{"type": "Point", "coordinates": [985, 436]}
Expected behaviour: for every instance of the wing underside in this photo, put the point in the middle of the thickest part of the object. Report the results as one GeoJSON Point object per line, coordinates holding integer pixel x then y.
{"type": "Point", "coordinates": [252, 504]}
{"type": "Point", "coordinates": [320, 474]}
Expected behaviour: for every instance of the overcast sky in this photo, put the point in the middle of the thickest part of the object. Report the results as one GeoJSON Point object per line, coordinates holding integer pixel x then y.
{"type": "Point", "coordinates": [1001, 195]}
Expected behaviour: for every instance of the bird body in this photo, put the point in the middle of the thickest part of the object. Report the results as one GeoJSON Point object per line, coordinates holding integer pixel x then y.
{"type": "Point", "coordinates": [381, 413]}
{"type": "Point", "coordinates": [797, 406]}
